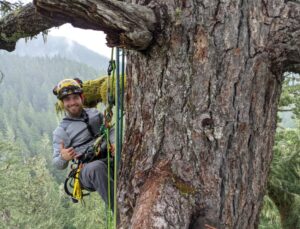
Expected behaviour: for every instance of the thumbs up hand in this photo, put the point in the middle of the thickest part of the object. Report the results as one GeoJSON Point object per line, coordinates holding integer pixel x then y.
{"type": "Point", "coordinates": [67, 153]}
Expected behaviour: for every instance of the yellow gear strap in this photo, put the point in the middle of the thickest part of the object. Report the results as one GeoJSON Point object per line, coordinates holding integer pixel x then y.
{"type": "Point", "coordinates": [77, 191]}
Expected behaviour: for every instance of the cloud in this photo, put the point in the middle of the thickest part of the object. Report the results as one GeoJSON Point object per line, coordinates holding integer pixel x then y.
{"type": "Point", "coordinates": [94, 40]}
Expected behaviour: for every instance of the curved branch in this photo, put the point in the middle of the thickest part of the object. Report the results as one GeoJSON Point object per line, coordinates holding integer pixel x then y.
{"type": "Point", "coordinates": [126, 25]}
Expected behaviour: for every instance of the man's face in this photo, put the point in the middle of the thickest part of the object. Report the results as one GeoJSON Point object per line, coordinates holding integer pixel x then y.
{"type": "Point", "coordinates": [73, 105]}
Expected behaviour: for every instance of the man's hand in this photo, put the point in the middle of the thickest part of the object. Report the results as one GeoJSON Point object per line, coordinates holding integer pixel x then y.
{"type": "Point", "coordinates": [67, 153]}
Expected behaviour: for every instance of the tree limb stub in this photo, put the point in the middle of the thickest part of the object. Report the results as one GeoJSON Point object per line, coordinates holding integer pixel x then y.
{"type": "Point", "coordinates": [294, 27]}
{"type": "Point", "coordinates": [293, 68]}
{"type": "Point", "coordinates": [286, 39]}
{"type": "Point", "coordinates": [126, 25]}
{"type": "Point", "coordinates": [24, 22]}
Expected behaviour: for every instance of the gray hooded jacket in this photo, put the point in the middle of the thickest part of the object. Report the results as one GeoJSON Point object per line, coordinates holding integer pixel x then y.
{"type": "Point", "coordinates": [76, 133]}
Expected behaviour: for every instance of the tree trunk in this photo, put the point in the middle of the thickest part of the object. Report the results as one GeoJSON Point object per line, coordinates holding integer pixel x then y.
{"type": "Point", "coordinates": [201, 102]}
{"type": "Point", "coordinates": [201, 105]}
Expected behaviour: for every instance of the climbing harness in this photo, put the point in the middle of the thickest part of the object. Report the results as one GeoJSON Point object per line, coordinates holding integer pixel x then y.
{"type": "Point", "coordinates": [72, 180]}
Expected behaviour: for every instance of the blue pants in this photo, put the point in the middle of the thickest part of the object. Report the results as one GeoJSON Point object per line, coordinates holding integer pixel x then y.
{"type": "Point", "coordinates": [93, 177]}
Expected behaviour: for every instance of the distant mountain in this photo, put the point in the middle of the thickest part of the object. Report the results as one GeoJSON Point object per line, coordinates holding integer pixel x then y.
{"type": "Point", "coordinates": [62, 47]}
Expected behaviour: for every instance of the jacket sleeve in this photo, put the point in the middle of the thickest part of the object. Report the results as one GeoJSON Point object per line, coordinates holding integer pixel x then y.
{"type": "Point", "coordinates": [59, 135]}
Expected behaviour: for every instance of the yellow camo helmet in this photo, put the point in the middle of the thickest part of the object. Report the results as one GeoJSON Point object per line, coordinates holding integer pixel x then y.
{"type": "Point", "coordinates": [67, 87]}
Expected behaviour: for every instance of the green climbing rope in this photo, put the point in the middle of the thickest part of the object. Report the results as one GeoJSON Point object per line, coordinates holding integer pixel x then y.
{"type": "Point", "coordinates": [108, 209]}
{"type": "Point", "coordinates": [118, 101]}
{"type": "Point", "coordinates": [108, 117]}
{"type": "Point", "coordinates": [116, 136]}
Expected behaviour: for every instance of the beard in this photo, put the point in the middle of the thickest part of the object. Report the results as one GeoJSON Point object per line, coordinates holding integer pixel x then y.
{"type": "Point", "coordinates": [74, 110]}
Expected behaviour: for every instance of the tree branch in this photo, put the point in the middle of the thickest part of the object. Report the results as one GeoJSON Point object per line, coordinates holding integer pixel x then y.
{"type": "Point", "coordinates": [293, 68]}
{"type": "Point", "coordinates": [284, 36]}
{"type": "Point", "coordinates": [293, 53]}
{"type": "Point", "coordinates": [24, 22]}
{"type": "Point", "coordinates": [288, 36]}
{"type": "Point", "coordinates": [126, 25]}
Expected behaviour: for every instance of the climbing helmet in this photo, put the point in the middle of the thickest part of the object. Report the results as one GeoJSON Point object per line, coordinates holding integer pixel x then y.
{"type": "Point", "coordinates": [67, 87]}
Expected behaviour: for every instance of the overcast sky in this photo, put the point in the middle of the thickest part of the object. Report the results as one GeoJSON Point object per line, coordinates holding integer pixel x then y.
{"type": "Point", "coordinates": [94, 40]}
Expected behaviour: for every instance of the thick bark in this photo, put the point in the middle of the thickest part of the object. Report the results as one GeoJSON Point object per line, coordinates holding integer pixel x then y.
{"type": "Point", "coordinates": [201, 107]}
{"type": "Point", "coordinates": [201, 104]}
{"type": "Point", "coordinates": [126, 25]}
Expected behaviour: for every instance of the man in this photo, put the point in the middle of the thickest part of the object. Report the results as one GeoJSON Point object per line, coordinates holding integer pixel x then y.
{"type": "Point", "coordinates": [77, 131]}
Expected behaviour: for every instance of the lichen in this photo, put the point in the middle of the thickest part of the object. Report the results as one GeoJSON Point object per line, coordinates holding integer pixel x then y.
{"type": "Point", "coordinates": [183, 187]}
{"type": "Point", "coordinates": [14, 37]}
{"type": "Point", "coordinates": [178, 15]}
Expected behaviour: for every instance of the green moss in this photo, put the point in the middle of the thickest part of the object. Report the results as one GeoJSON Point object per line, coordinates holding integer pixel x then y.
{"type": "Point", "coordinates": [178, 12]}
{"type": "Point", "coordinates": [178, 15]}
{"type": "Point", "coordinates": [183, 187]}
{"type": "Point", "coordinates": [16, 11]}
{"type": "Point", "coordinates": [15, 37]}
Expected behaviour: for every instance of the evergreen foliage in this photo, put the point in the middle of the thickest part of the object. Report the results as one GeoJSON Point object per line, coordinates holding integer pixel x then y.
{"type": "Point", "coordinates": [31, 198]}
{"type": "Point", "coordinates": [282, 204]}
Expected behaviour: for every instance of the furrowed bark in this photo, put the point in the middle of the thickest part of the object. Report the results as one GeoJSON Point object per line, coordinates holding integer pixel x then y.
{"type": "Point", "coordinates": [293, 49]}
{"type": "Point", "coordinates": [285, 35]}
